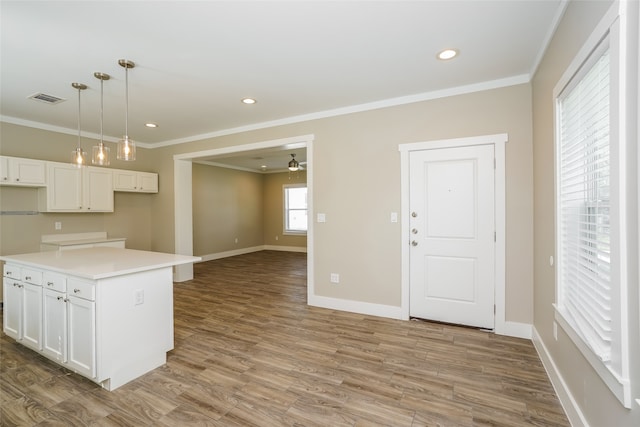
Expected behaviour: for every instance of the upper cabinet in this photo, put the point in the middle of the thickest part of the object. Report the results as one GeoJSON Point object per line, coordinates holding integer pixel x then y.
{"type": "Point", "coordinates": [22, 172]}
{"type": "Point", "coordinates": [73, 189]}
{"type": "Point", "coordinates": [143, 182]}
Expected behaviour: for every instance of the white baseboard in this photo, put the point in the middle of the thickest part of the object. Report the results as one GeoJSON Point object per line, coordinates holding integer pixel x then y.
{"type": "Point", "coordinates": [242, 251]}
{"type": "Point", "coordinates": [516, 329]}
{"type": "Point", "coordinates": [569, 404]}
{"type": "Point", "coordinates": [226, 254]}
{"type": "Point", "coordinates": [285, 248]}
{"type": "Point", "coordinates": [359, 307]}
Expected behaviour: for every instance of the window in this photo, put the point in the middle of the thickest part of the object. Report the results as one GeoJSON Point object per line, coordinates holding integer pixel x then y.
{"type": "Point", "coordinates": [295, 209]}
{"type": "Point", "coordinates": [584, 206]}
{"type": "Point", "coordinates": [590, 207]}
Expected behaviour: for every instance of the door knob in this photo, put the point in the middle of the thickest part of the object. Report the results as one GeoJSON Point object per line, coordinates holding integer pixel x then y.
{"type": "Point", "coordinates": [414, 231]}
{"type": "Point", "coordinates": [414, 214]}
{"type": "Point", "coordinates": [414, 243]}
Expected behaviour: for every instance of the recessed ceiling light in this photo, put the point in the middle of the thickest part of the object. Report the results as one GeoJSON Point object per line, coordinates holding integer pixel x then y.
{"type": "Point", "coordinates": [248, 101]}
{"type": "Point", "coordinates": [151, 125]}
{"type": "Point", "coordinates": [447, 54]}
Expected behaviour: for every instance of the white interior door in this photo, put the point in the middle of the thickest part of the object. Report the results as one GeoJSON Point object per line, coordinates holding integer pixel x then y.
{"type": "Point", "coordinates": [451, 198]}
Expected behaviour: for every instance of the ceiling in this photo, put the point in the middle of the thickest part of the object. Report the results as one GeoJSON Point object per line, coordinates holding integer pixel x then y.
{"type": "Point", "coordinates": [196, 60]}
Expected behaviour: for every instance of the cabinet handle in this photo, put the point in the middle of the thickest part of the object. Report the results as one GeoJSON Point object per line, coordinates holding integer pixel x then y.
{"type": "Point", "coordinates": [27, 277]}
{"type": "Point", "coordinates": [76, 291]}
{"type": "Point", "coordinates": [49, 283]}
{"type": "Point", "coordinates": [8, 273]}
{"type": "Point", "coordinates": [59, 298]}
{"type": "Point", "coordinates": [66, 300]}
{"type": "Point", "coordinates": [17, 179]}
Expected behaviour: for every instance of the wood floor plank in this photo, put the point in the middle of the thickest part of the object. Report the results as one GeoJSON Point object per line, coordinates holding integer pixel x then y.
{"type": "Point", "coordinates": [249, 351]}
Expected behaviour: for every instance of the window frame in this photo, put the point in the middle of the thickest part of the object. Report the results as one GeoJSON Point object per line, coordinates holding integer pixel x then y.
{"type": "Point", "coordinates": [285, 211]}
{"type": "Point", "coordinates": [612, 30]}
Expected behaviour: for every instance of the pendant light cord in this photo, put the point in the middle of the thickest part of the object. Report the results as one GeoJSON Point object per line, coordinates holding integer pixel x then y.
{"type": "Point", "coordinates": [101, 112]}
{"type": "Point", "coordinates": [126, 93]}
{"type": "Point", "coordinates": [79, 146]}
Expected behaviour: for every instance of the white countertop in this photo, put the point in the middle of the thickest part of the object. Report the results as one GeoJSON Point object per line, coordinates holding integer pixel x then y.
{"type": "Point", "coordinates": [84, 241]}
{"type": "Point", "coordinates": [99, 263]}
{"type": "Point", "coordinates": [78, 238]}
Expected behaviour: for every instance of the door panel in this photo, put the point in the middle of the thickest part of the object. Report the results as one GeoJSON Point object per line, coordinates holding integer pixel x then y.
{"type": "Point", "coordinates": [452, 233]}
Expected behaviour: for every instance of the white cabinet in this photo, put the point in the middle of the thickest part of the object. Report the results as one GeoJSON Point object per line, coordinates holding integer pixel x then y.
{"type": "Point", "coordinates": [142, 182]}
{"type": "Point", "coordinates": [22, 172]}
{"type": "Point", "coordinates": [82, 327]}
{"type": "Point", "coordinates": [74, 189]}
{"type": "Point", "coordinates": [54, 314]}
{"type": "Point", "coordinates": [22, 305]}
{"type": "Point", "coordinates": [116, 322]}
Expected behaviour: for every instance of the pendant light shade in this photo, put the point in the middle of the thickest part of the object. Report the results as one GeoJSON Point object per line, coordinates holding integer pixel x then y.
{"type": "Point", "coordinates": [293, 163]}
{"type": "Point", "coordinates": [100, 153]}
{"type": "Point", "coordinates": [78, 156]}
{"type": "Point", "coordinates": [126, 146]}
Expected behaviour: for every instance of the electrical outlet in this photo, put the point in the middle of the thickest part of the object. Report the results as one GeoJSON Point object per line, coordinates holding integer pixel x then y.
{"type": "Point", "coordinates": [276, 237]}
{"type": "Point", "coordinates": [236, 240]}
{"type": "Point", "coordinates": [335, 278]}
{"type": "Point", "coordinates": [555, 331]}
{"type": "Point", "coordinates": [139, 297]}
{"type": "Point", "coordinates": [58, 225]}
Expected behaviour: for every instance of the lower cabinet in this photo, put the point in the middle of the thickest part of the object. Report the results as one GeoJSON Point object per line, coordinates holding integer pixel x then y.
{"type": "Point", "coordinates": [110, 330]}
{"type": "Point", "coordinates": [22, 311]}
{"type": "Point", "coordinates": [59, 320]}
{"type": "Point", "coordinates": [82, 334]}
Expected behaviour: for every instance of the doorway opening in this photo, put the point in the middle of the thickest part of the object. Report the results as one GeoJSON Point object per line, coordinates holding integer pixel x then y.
{"type": "Point", "coordinates": [183, 200]}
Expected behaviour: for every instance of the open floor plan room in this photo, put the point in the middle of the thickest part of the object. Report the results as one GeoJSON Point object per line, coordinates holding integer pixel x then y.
{"type": "Point", "coordinates": [249, 351]}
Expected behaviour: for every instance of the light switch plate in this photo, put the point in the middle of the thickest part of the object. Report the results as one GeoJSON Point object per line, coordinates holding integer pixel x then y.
{"type": "Point", "coordinates": [322, 217]}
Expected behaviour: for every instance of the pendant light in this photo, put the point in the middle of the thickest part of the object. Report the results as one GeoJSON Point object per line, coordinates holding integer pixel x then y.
{"type": "Point", "coordinates": [293, 163]}
{"type": "Point", "coordinates": [100, 152]}
{"type": "Point", "coordinates": [126, 147]}
{"type": "Point", "coordinates": [78, 156]}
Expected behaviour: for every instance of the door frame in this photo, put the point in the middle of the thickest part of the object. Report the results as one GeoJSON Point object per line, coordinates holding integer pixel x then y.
{"type": "Point", "coordinates": [499, 142]}
{"type": "Point", "coordinates": [183, 201]}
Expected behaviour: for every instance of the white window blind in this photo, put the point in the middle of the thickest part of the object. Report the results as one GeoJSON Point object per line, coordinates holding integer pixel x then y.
{"type": "Point", "coordinates": [584, 204]}
{"type": "Point", "coordinates": [295, 209]}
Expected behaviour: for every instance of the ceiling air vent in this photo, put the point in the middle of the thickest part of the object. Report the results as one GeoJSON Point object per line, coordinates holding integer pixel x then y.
{"type": "Point", "coordinates": [49, 99]}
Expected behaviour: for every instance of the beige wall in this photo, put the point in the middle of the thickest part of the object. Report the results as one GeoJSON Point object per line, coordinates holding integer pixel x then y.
{"type": "Point", "coordinates": [230, 204]}
{"type": "Point", "coordinates": [132, 218]}
{"type": "Point", "coordinates": [356, 176]}
{"type": "Point", "coordinates": [594, 399]}
{"type": "Point", "coordinates": [356, 173]}
{"type": "Point", "coordinates": [227, 205]}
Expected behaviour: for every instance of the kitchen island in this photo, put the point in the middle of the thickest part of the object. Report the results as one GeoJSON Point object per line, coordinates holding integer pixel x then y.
{"type": "Point", "coordinates": [104, 313]}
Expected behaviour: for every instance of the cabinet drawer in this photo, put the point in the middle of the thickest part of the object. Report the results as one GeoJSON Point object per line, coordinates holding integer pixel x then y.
{"type": "Point", "coordinates": [32, 276]}
{"type": "Point", "coordinates": [81, 289]}
{"type": "Point", "coordinates": [57, 282]}
{"type": "Point", "coordinates": [12, 271]}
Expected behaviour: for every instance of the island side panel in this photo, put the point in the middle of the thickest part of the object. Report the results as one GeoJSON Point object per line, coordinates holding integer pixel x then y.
{"type": "Point", "coordinates": [134, 324]}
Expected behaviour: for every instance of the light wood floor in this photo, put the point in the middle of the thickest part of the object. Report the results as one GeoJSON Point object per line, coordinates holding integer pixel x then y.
{"type": "Point", "coordinates": [249, 351]}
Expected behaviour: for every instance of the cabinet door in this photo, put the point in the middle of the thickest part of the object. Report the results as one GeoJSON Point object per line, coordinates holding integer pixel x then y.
{"type": "Point", "coordinates": [98, 189]}
{"type": "Point", "coordinates": [27, 171]}
{"type": "Point", "coordinates": [19, 171]}
{"type": "Point", "coordinates": [32, 315]}
{"type": "Point", "coordinates": [148, 182]}
{"type": "Point", "coordinates": [4, 169]}
{"type": "Point", "coordinates": [64, 192]}
{"type": "Point", "coordinates": [124, 180]}
{"type": "Point", "coordinates": [54, 334]}
{"type": "Point", "coordinates": [82, 336]}
{"type": "Point", "coordinates": [12, 308]}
